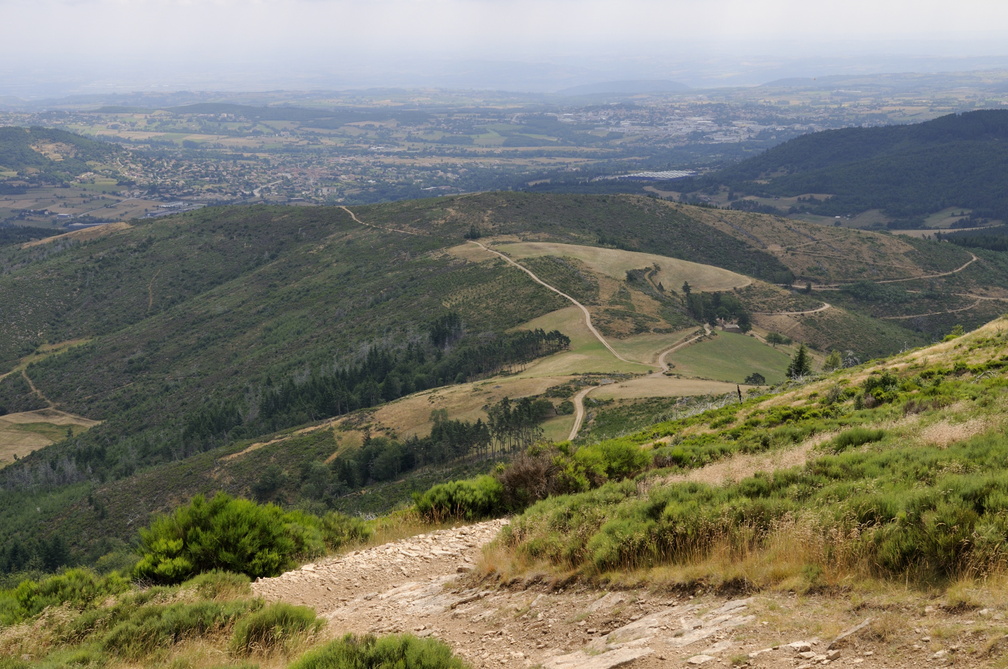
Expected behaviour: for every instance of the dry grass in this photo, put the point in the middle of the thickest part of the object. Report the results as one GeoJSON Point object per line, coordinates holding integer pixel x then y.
{"type": "Point", "coordinates": [658, 385]}
{"type": "Point", "coordinates": [744, 465]}
{"type": "Point", "coordinates": [946, 432]}
{"type": "Point", "coordinates": [82, 235]}
{"type": "Point", "coordinates": [615, 263]}
{"type": "Point", "coordinates": [22, 433]}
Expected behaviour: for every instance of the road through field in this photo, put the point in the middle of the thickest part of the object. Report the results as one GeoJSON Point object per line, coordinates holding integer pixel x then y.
{"type": "Point", "coordinates": [584, 310]}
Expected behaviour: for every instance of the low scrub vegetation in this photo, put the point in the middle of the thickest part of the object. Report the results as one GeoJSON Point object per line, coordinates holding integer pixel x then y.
{"type": "Point", "coordinates": [391, 652]}
{"type": "Point", "coordinates": [880, 498]}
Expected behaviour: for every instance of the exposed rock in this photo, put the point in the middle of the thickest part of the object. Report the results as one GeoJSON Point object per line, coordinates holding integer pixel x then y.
{"type": "Point", "coordinates": [614, 658]}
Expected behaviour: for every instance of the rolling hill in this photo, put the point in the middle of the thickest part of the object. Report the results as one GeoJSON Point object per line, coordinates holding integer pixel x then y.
{"type": "Point", "coordinates": [906, 172]}
{"type": "Point", "coordinates": [45, 155]}
{"type": "Point", "coordinates": [242, 330]}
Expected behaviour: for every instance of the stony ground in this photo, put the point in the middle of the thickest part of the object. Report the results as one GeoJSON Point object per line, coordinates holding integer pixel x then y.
{"type": "Point", "coordinates": [422, 585]}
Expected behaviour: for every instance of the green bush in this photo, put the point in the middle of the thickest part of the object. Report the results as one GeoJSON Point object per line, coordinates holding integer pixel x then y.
{"type": "Point", "coordinates": [148, 628]}
{"type": "Point", "coordinates": [855, 437]}
{"type": "Point", "coordinates": [469, 499]}
{"type": "Point", "coordinates": [228, 534]}
{"type": "Point", "coordinates": [79, 588]}
{"type": "Point", "coordinates": [218, 584]}
{"type": "Point", "coordinates": [272, 628]}
{"type": "Point", "coordinates": [390, 652]}
{"type": "Point", "coordinates": [339, 529]}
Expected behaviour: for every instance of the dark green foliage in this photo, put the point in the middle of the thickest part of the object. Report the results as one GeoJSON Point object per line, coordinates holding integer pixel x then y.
{"type": "Point", "coordinates": [16, 153]}
{"type": "Point", "coordinates": [472, 499]}
{"type": "Point", "coordinates": [711, 307]}
{"type": "Point", "coordinates": [389, 652]}
{"type": "Point", "coordinates": [225, 533]}
{"type": "Point", "coordinates": [907, 171]}
{"type": "Point", "coordinates": [755, 379]}
{"type": "Point", "coordinates": [855, 437]}
{"type": "Point", "coordinates": [878, 389]}
{"type": "Point", "coordinates": [272, 628]}
{"type": "Point", "coordinates": [801, 364]}
{"type": "Point", "coordinates": [339, 529]}
{"type": "Point", "coordinates": [774, 338]}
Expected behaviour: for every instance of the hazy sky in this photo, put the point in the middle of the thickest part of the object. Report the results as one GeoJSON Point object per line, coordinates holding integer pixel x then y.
{"type": "Point", "coordinates": [376, 42]}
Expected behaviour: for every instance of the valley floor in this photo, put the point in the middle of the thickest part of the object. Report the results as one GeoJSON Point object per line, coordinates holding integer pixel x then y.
{"type": "Point", "coordinates": [425, 585]}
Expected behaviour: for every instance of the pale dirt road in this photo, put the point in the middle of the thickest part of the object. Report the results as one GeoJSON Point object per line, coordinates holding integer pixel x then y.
{"type": "Point", "coordinates": [584, 310]}
{"type": "Point", "coordinates": [817, 310]}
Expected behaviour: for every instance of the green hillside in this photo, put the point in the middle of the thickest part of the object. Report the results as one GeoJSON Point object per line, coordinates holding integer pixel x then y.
{"type": "Point", "coordinates": [198, 336]}
{"type": "Point", "coordinates": [45, 155]}
{"type": "Point", "coordinates": [908, 172]}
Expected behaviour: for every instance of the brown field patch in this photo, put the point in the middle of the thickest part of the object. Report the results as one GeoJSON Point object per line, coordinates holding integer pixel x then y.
{"type": "Point", "coordinates": [615, 263]}
{"type": "Point", "coordinates": [411, 415]}
{"type": "Point", "coordinates": [27, 431]}
{"type": "Point", "coordinates": [82, 235]}
{"type": "Point", "coordinates": [657, 385]}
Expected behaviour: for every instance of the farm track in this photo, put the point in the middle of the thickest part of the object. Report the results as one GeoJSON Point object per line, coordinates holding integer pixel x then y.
{"type": "Point", "coordinates": [920, 277]}
{"type": "Point", "coordinates": [806, 312]}
{"type": "Point", "coordinates": [375, 227]}
{"type": "Point", "coordinates": [36, 391]}
{"type": "Point", "coordinates": [583, 308]}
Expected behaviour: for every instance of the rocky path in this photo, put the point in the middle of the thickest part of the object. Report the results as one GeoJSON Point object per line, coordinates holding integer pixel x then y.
{"type": "Point", "coordinates": [422, 585]}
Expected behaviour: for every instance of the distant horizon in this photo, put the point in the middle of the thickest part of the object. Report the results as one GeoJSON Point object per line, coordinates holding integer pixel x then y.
{"type": "Point", "coordinates": [72, 47]}
{"type": "Point", "coordinates": [489, 77]}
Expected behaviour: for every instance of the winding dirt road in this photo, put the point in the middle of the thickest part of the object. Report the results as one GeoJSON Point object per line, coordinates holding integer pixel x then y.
{"type": "Point", "coordinates": [584, 310]}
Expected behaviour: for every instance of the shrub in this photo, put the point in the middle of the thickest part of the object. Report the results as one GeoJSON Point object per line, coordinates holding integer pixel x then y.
{"type": "Point", "coordinates": [218, 584]}
{"type": "Point", "coordinates": [339, 529]}
{"type": "Point", "coordinates": [149, 628]}
{"type": "Point", "coordinates": [470, 499]}
{"type": "Point", "coordinates": [79, 588]}
{"type": "Point", "coordinates": [273, 628]}
{"type": "Point", "coordinates": [855, 437]}
{"type": "Point", "coordinates": [227, 534]}
{"type": "Point", "coordinates": [390, 652]}
{"type": "Point", "coordinates": [528, 478]}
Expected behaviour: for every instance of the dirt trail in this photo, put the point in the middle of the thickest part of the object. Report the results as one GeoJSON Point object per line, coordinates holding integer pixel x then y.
{"type": "Point", "coordinates": [824, 307]}
{"type": "Point", "coordinates": [36, 391]}
{"type": "Point", "coordinates": [421, 585]}
{"type": "Point", "coordinates": [368, 225]}
{"type": "Point", "coordinates": [919, 277]}
{"type": "Point", "coordinates": [150, 290]}
{"type": "Point", "coordinates": [584, 310]}
{"type": "Point", "coordinates": [579, 411]}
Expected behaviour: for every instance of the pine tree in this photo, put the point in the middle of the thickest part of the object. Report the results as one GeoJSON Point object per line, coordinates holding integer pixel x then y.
{"type": "Point", "coordinates": [801, 364]}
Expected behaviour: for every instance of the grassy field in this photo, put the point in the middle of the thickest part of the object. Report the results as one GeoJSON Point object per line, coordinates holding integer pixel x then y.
{"type": "Point", "coordinates": [586, 354]}
{"type": "Point", "coordinates": [27, 431]}
{"type": "Point", "coordinates": [730, 357]}
{"type": "Point", "coordinates": [615, 263]}
{"type": "Point", "coordinates": [661, 386]}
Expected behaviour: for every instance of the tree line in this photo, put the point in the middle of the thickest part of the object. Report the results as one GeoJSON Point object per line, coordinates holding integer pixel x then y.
{"type": "Point", "coordinates": [447, 355]}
